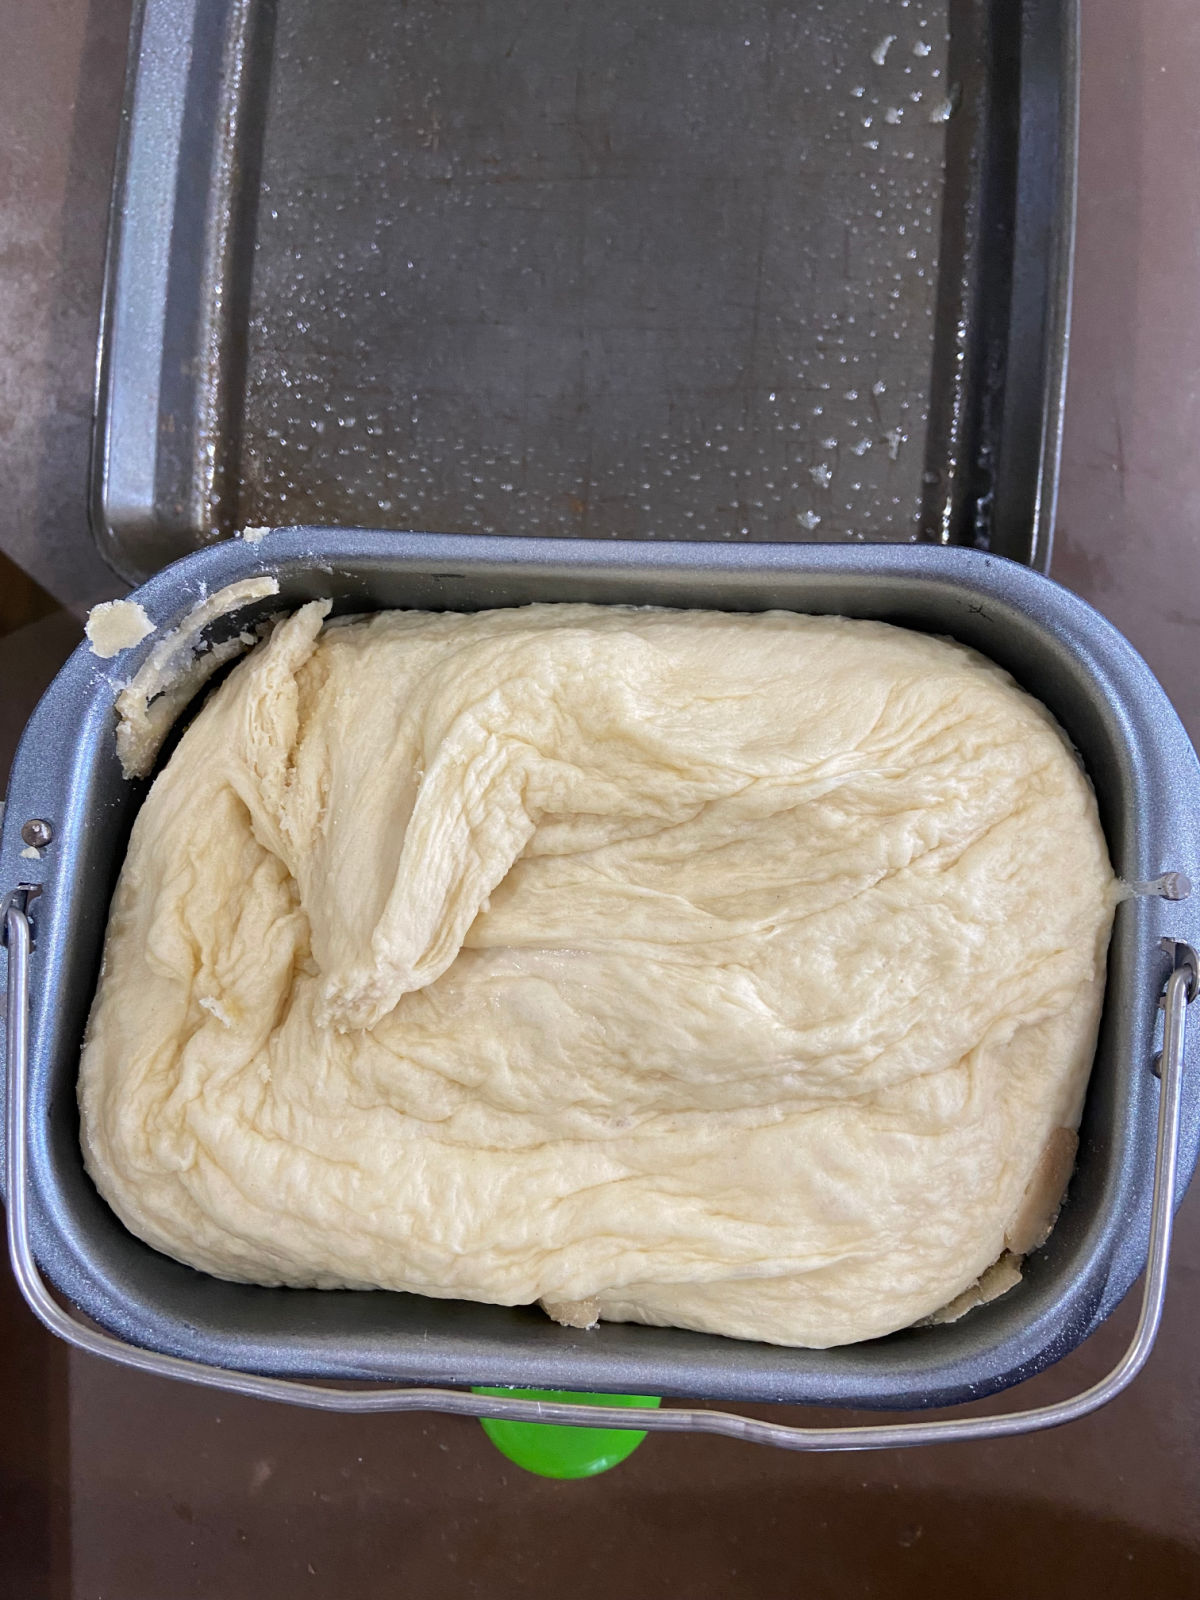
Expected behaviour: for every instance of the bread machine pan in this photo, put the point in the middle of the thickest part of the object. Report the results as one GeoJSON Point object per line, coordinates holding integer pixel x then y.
{"type": "Point", "coordinates": [1147, 780]}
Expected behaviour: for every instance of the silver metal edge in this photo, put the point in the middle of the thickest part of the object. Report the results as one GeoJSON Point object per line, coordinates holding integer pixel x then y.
{"type": "Point", "coordinates": [322, 1397]}
{"type": "Point", "coordinates": [136, 277]}
{"type": "Point", "coordinates": [1062, 283]}
{"type": "Point", "coordinates": [99, 454]}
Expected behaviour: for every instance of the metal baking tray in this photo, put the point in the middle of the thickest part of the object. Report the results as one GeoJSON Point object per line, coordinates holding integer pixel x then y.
{"type": "Point", "coordinates": [662, 269]}
{"type": "Point", "coordinates": [1148, 786]}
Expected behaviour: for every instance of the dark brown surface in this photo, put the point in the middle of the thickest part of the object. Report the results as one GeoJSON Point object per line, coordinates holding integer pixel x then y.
{"type": "Point", "coordinates": [119, 1488]}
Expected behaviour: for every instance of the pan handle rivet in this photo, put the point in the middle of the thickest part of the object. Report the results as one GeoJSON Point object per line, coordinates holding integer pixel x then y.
{"type": "Point", "coordinates": [37, 833]}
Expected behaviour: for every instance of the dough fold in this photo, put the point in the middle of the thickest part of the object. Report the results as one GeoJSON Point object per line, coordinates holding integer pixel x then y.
{"type": "Point", "coordinates": [737, 972]}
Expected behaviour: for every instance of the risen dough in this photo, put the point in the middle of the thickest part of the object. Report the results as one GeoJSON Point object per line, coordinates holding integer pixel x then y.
{"type": "Point", "coordinates": [727, 971]}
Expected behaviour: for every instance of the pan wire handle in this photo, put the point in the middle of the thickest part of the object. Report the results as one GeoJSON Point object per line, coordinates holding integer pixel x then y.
{"type": "Point", "coordinates": [1180, 988]}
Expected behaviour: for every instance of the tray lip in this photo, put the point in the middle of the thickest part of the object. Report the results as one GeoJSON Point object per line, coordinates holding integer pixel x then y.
{"type": "Point", "coordinates": [1061, 267]}
{"type": "Point", "coordinates": [100, 444]}
{"type": "Point", "coordinates": [115, 531]}
{"type": "Point", "coordinates": [105, 521]}
{"type": "Point", "coordinates": [88, 687]}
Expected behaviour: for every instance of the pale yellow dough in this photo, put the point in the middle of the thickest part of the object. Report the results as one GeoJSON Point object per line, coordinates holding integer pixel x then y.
{"type": "Point", "coordinates": [116, 625]}
{"type": "Point", "coordinates": [733, 972]}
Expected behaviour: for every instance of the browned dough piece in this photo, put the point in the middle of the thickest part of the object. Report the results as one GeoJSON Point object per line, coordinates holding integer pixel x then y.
{"type": "Point", "coordinates": [572, 1313]}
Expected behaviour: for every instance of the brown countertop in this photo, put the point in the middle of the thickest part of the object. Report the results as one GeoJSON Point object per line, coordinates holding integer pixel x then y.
{"type": "Point", "coordinates": [115, 1487]}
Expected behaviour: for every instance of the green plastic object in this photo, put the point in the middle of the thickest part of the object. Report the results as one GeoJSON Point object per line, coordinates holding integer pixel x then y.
{"type": "Point", "coordinates": [554, 1451]}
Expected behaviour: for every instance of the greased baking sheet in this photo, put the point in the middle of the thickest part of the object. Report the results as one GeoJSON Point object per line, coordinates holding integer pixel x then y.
{"type": "Point", "coordinates": [754, 270]}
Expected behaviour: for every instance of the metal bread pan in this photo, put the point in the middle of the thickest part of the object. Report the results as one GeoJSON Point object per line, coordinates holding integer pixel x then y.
{"type": "Point", "coordinates": [1148, 784]}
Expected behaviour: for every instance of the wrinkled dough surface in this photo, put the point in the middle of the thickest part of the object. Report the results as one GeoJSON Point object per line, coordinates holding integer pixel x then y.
{"type": "Point", "coordinates": [725, 971]}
